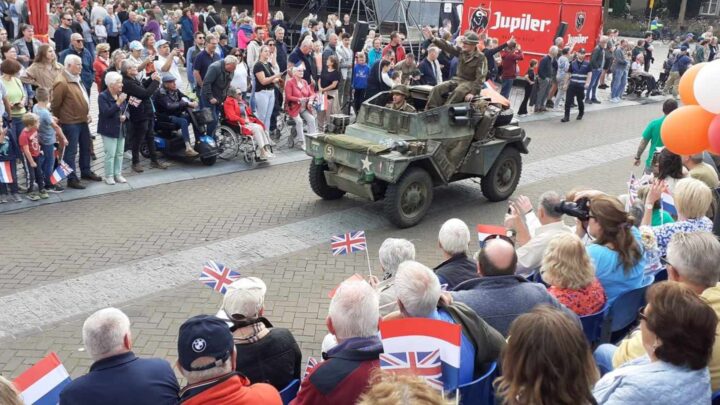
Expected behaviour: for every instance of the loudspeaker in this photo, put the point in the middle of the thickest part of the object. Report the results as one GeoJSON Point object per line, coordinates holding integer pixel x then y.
{"type": "Point", "coordinates": [360, 33]}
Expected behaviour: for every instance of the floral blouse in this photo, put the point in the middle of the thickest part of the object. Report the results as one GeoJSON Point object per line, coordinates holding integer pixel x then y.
{"type": "Point", "coordinates": [585, 301]}
{"type": "Point", "coordinates": [664, 233]}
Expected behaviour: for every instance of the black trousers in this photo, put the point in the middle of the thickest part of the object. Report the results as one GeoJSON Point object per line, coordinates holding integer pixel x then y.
{"type": "Point", "coordinates": [276, 109]}
{"type": "Point", "coordinates": [526, 98]}
{"type": "Point", "coordinates": [114, 42]}
{"type": "Point", "coordinates": [142, 130]}
{"type": "Point", "coordinates": [358, 99]}
{"type": "Point", "coordinates": [575, 91]}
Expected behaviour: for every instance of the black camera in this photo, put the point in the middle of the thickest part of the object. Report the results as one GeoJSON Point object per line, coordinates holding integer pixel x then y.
{"type": "Point", "coordinates": [579, 209]}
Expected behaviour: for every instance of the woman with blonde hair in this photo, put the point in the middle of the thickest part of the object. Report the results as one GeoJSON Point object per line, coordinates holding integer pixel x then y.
{"type": "Point", "coordinates": [44, 69]}
{"type": "Point", "coordinates": [567, 268]}
{"type": "Point", "coordinates": [8, 393]}
{"type": "Point", "coordinates": [390, 388]}
{"type": "Point", "coordinates": [547, 361]}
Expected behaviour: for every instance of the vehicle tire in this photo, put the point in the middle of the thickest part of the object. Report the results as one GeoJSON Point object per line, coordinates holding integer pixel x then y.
{"type": "Point", "coordinates": [408, 200]}
{"type": "Point", "coordinates": [227, 142]}
{"type": "Point", "coordinates": [502, 179]}
{"type": "Point", "coordinates": [504, 118]}
{"type": "Point", "coordinates": [144, 150]}
{"type": "Point", "coordinates": [209, 161]}
{"type": "Point", "coordinates": [319, 185]}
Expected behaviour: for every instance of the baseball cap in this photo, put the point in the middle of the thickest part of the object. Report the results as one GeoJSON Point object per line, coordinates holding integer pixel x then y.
{"type": "Point", "coordinates": [204, 336]}
{"type": "Point", "coordinates": [166, 78]}
{"type": "Point", "coordinates": [136, 46]}
{"type": "Point", "coordinates": [244, 298]}
{"type": "Point", "coordinates": [160, 43]}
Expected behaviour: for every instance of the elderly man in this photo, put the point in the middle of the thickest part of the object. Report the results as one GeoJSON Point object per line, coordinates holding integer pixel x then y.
{"type": "Point", "coordinates": [700, 170]}
{"type": "Point", "coordinates": [399, 94]}
{"type": "Point", "coordinates": [330, 48]}
{"type": "Point", "coordinates": [418, 293]}
{"type": "Point", "coordinates": [498, 295]}
{"type": "Point", "coordinates": [430, 69]}
{"type": "Point", "coordinates": [206, 358]}
{"type": "Point", "coordinates": [171, 106]}
{"type": "Point", "coordinates": [545, 75]}
{"type": "Point", "coordinates": [597, 62]}
{"type": "Point", "coordinates": [113, 26]}
{"type": "Point", "coordinates": [131, 29]}
{"type": "Point", "coordinates": [471, 71]}
{"type": "Point", "coordinates": [302, 53]}
{"type": "Point", "coordinates": [168, 61]}
{"type": "Point", "coordinates": [117, 375]}
{"type": "Point", "coordinates": [392, 252]}
{"type": "Point", "coordinates": [63, 32]}
{"type": "Point", "coordinates": [532, 239]}
{"type": "Point", "coordinates": [27, 46]}
{"type": "Point", "coordinates": [692, 260]}
{"type": "Point", "coordinates": [620, 71]}
{"type": "Point", "coordinates": [77, 47]}
{"type": "Point", "coordinates": [71, 107]}
{"type": "Point", "coordinates": [408, 68]}
{"type": "Point", "coordinates": [345, 374]}
{"type": "Point", "coordinates": [453, 240]}
{"type": "Point", "coordinates": [215, 86]}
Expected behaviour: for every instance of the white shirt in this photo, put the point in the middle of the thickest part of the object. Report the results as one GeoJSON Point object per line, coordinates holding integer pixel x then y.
{"type": "Point", "coordinates": [174, 69]}
{"type": "Point", "coordinates": [240, 79]}
{"type": "Point", "coordinates": [437, 69]}
{"type": "Point", "coordinates": [530, 255]}
{"type": "Point", "coordinates": [97, 11]}
{"type": "Point", "coordinates": [345, 61]}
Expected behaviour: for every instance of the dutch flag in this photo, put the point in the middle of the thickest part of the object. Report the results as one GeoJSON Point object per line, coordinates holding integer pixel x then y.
{"type": "Point", "coordinates": [668, 204]}
{"type": "Point", "coordinates": [6, 173]}
{"type": "Point", "coordinates": [484, 231]}
{"type": "Point", "coordinates": [42, 383]}
{"type": "Point", "coordinates": [426, 335]}
{"type": "Point", "coordinates": [61, 172]}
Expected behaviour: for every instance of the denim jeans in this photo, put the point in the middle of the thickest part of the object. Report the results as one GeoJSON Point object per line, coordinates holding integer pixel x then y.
{"type": "Point", "coordinates": [183, 126]}
{"type": "Point", "coordinates": [212, 125]}
{"type": "Point", "coordinates": [49, 162]}
{"type": "Point", "coordinates": [38, 175]}
{"type": "Point", "coordinates": [619, 81]}
{"type": "Point", "coordinates": [507, 85]}
{"type": "Point", "coordinates": [114, 148]}
{"type": "Point", "coordinates": [17, 127]}
{"type": "Point", "coordinates": [594, 80]}
{"type": "Point", "coordinates": [78, 136]}
{"type": "Point", "coordinates": [603, 357]}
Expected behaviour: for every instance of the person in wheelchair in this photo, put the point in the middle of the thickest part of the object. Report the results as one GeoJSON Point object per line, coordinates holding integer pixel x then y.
{"type": "Point", "coordinates": [239, 115]}
{"type": "Point", "coordinates": [637, 70]}
{"type": "Point", "coordinates": [299, 96]}
{"type": "Point", "coordinates": [171, 106]}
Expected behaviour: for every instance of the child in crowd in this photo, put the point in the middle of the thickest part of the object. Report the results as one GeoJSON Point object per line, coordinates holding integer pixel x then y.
{"type": "Point", "coordinates": [49, 133]}
{"type": "Point", "coordinates": [360, 80]}
{"type": "Point", "coordinates": [529, 83]}
{"type": "Point", "coordinates": [8, 171]}
{"type": "Point", "coordinates": [30, 146]}
{"type": "Point", "coordinates": [100, 31]}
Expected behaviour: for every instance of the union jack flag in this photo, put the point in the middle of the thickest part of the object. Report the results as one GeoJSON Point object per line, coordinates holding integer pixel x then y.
{"type": "Point", "coordinates": [312, 362]}
{"type": "Point", "coordinates": [217, 276]}
{"type": "Point", "coordinates": [424, 364]}
{"type": "Point", "coordinates": [350, 242]}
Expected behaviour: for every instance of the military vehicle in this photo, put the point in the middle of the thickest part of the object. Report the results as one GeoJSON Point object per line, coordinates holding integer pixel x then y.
{"type": "Point", "coordinates": [399, 156]}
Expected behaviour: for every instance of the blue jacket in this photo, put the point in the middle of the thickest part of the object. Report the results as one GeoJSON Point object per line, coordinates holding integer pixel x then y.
{"type": "Point", "coordinates": [109, 115]}
{"type": "Point", "coordinates": [130, 32]}
{"type": "Point", "coordinates": [428, 76]}
{"type": "Point", "coordinates": [641, 382]}
{"type": "Point", "coordinates": [124, 379]}
{"type": "Point", "coordinates": [88, 73]}
{"type": "Point", "coordinates": [186, 30]}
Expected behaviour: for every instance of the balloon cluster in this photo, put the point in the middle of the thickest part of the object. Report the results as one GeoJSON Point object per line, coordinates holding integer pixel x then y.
{"type": "Point", "coordinates": [695, 127]}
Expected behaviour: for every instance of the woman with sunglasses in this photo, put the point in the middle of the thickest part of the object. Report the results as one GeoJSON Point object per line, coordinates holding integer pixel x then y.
{"type": "Point", "coordinates": [678, 333]}
{"type": "Point", "coordinates": [616, 251]}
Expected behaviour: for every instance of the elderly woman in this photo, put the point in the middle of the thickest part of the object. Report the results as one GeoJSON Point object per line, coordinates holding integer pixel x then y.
{"type": "Point", "coordinates": [102, 61]}
{"type": "Point", "coordinates": [392, 252]}
{"type": "Point", "coordinates": [264, 353]}
{"type": "Point", "coordinates": [567, 268]}
{"type": "Point", "coordinates": [117, 57]}
{"type": "Point", "coordinates": [149, 52]}
{"type": "Point", "coordinates": [692, 200]}
{"type": "Point", "coordinates": [678, 332]}
{"type": "Point", "coordinates": [265, 80]}
{"type": "Point", "coordinates": [112, 114]}
{"type": "Point", "coordinates": [238, 112]}
{"type": "Point", "coordinates": [44, 70]}
{"type": "Point", "coordinates": [299, 96]}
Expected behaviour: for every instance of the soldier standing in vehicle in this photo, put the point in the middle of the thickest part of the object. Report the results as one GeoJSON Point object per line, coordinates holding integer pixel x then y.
{"type": "Point", "coordinates": [400, 93]}
{"type": "Point", "coordinates": [471, 71]}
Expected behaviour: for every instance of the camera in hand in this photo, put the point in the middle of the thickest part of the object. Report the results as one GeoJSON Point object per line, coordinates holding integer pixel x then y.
{"type": "Point", "coordinates": [579, 209]}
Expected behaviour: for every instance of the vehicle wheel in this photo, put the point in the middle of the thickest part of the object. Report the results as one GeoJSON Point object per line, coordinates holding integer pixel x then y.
{"type": "Point", "coordinates": [320, 186]}
{"type": "Point", "coordinates": [209, 161]}
{"type": "Point", "coordinates": [227, 142]}
{"type": "Point", "coordinates": [504, 175]}
{"type": "Point", "coordinates": [144, 150]}
{"type": "Point", "coordinates": [408, 200]}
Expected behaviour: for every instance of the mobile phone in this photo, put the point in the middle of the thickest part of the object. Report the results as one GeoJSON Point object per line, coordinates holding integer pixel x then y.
{"type": "Point", "coordinates": [155, 58]}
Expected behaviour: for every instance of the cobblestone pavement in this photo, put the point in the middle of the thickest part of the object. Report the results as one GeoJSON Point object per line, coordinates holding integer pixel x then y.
{"type": "Point", "coordinates": [141, 249]}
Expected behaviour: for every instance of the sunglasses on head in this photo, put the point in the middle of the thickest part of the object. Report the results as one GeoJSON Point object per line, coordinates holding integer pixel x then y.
{"type": "Point", "coordinates": [496, 236]}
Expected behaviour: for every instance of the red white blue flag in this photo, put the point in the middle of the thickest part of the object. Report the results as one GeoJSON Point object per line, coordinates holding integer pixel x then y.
{"type": "Point", "coordinates": [420, 335]}
{"type": "Point", "coordinates": [42, 383]}
{"type": "Point", "coordinates": [423, 364]}
{"type": "Point", "coordinates": [218, 276]}
{"type": "Point", "coordinates": [348, 243]}
{"type": "Point", "coordinates": [667, 202]}
{"type": "Point", "coordinates": [60, 173]}
{"type": "Point", "coordinates": [6, 173]}
{"type": "Point", "coordinates": [484, 231]}
{"type": "Point", "coordinates": [312, 362]}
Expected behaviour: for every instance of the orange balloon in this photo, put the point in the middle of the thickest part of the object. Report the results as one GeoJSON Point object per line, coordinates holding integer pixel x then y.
{"type": "Point", "coordinates": [685, 88]}
{"type": "Point", "coordinates": [685, 130]}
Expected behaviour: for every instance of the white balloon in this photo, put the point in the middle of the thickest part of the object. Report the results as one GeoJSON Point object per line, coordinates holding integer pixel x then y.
{"type": "Point", "coordinates": [707, 87]}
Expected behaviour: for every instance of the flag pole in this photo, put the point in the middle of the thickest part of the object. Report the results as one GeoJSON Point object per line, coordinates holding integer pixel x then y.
{"type": "Point", "coordinates": [367, 255]}
{"type": "Point", "coordinates": [457, 396]}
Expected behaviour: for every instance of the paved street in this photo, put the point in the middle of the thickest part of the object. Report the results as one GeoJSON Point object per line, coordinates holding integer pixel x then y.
{"type": "Point", "coordinates": [142, 249]}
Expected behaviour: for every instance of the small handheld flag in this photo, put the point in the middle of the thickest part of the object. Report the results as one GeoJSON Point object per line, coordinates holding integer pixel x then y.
{"type": "Point", "coordinates": [484, 231]}
{"type": "Point", "coordinates": [311, 363]}
{"type": "Point", "coordinates": [667, 202]}
{"type": "Point", "coordinates": [346, 243]}
{"type": "Point", "coordinates": [218, 276]}
{"type": "Point", "coordinates": [42, 383]}
{"type": "Point", "coordinates": [60, 173]}
{"type": "Point", "coordinates": [6, 173]}
{"type": "Point", "coordinates": [423, 364]}
{"type": "Point", "coordinates": [633, 186]}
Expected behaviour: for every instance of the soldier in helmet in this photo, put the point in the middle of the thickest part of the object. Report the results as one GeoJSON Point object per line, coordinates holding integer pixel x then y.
{"type": "Point", "coordinates": [400, 93]}
{"type": "Point", "coordinates": [471, 71]}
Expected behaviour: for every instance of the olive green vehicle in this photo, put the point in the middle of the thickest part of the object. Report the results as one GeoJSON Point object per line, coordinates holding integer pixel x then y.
{"type": "Point", "coordinates": [399, 157]}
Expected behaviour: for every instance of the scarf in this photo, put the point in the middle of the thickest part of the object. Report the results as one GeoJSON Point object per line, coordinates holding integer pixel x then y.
{"type": "Point", "coordinates": [71, 78]}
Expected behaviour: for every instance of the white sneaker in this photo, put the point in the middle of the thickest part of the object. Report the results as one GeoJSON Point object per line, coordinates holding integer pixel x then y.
{"type": "Point", "coordinates": [120, 179]}
{"type": "Point", "coordinates": [109, 181]}
{"type": "Point", "coordinates": [127, 155]}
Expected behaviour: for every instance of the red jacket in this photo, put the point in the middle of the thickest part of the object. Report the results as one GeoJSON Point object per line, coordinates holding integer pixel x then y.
{"type": "Point", "coordinates": [233, 113]}
{"type": "Point", "coordinates": [293, 95]}
{"type": "Point", "coordinates": [399, 52]}
{"type": "Point", "coordinates": [509, 63]}
{"type": "Point", "coordinates": [233, 389]}
{"type": "Point", "coordinates": [100, 67]}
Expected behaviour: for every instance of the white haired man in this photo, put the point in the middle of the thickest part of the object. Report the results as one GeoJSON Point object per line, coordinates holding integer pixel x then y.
{"type": "Point", "coordinates": [453, 240]}
{"type": "Point", "coordinates": [206, 358]}
{"type": "Point", "coordinates": [77, 47]}
{"type": "Point", "coordinates": [117, 376]}
{"type": "Point", "coordinates": [345, 374]}
{"type": "Point", "coordinates": [691, 260]}
{"type": "Point", "coordinates": [418, 293]}
{"type": "Point", "coordinates": [215, 87]}
{"type": "Point", "coordinates": [392, 252]}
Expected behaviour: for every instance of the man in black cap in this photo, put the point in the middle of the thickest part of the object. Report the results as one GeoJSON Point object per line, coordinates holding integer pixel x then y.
{"type": "Point", "coordinates": [400, 93]}
{"type": "Point", "coordinates": [579, 81]}
{"type": "Point", "coordinates": [206, 358]}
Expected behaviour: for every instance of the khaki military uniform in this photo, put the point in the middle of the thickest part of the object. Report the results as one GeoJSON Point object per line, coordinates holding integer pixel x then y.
{"type": "Point", "coordinates": [471, 72]}
{"type": "Point", "coordinates": [404, 107]}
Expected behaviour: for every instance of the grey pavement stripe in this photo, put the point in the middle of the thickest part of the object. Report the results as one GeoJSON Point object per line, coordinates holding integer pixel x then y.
{"type": "Point", "coordinates": [31, 310]}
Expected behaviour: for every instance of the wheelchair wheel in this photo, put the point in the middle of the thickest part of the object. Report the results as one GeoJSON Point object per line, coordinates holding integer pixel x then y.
{"type": "Point", "coordinates": [291, 138]}
{"type": "Point", "coordinates": [144, 150]}
{"type": "Point", "coordinates": [227, 142]}
{"type": "Point", "coordinates": [246, 147]}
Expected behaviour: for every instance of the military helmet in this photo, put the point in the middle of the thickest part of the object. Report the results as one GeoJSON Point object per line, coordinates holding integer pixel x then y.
{"type": "Point", "coordinates": [471, 38]}
{"type": "Point", "coordinates": [401, 89]}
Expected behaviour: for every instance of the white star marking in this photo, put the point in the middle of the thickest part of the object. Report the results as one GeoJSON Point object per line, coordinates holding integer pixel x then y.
{"type": "Point", "coordinates": [366, 163]}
